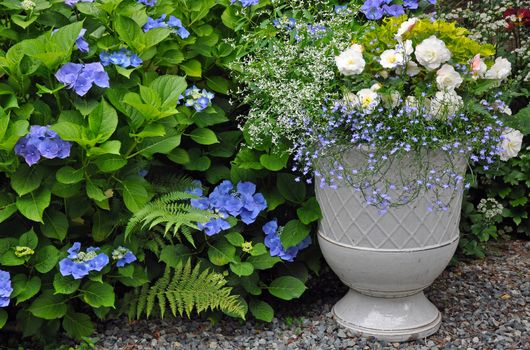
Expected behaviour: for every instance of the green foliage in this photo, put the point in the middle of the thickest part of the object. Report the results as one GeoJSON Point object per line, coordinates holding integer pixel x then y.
{"type": "Point", "coordinates": [184, 289]}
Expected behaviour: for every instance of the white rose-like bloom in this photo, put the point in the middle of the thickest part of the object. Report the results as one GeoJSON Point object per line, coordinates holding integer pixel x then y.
{"type": "Point", "coordinates": [368, 100]}
{"type": "Point", "coordinates": [405, 27]}
{"type": "Point", "coordinates": [446, 103]}
{"type": "Point", "coordinates": [478, 67]}
{"type": "Point", "coordinates": [511, 143]}
{"type": "Point", "coordinates": [392, 59]}
{"type": "Point", "coordinates": [375, 87]}
{"type": "Point", "coordinates": [412, 68]}
{"type": "Point", "coordinates": [395, 98]}
{"type": "Point", "coordinates": [447, 78]}
{"type": "Point", "coordinates": [500, 70]}
{"type": "Point", "coordinates": [351, 99]}
{"type": "Point", "coordinates": [432, 52]}
{"type": "Point", "coordinates": [351, 62]}
{"type": "Point", "coordinates": [411, 102]}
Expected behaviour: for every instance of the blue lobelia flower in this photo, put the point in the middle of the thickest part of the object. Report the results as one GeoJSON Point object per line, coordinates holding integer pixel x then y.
{"type": "Point", "coordinates": [245, 3]}
{"type": "Point", "coordinates": [393, 10]}
{"type": "Point", "coordinates": [5, 288]}
{"type": "Point", "coordinates": [273, 242]}
{"type": "Point", "coordinates": [78, 264]}
{"type": "Point", "coordinates": [123, 58]}
{"type": "Point", "coordinates": [41, 141]}
{"type": "Point", "coordinates": [81, 77]}
{"type": "Point", "coordinates": [123, 256]}
{"type": "Point", "coordinates": [372, 9]}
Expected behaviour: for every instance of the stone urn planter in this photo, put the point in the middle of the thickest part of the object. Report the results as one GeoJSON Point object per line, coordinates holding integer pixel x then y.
{"type": "Point", "coordinates": [388, 260]}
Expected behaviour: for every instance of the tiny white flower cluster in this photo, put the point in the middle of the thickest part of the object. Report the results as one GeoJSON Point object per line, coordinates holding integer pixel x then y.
{"type": "Point", "coordinates": [490, 208]}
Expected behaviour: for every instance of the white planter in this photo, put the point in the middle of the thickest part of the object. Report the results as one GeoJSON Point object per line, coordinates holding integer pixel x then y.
{"type": "Point", "coordinates": [387, 260]}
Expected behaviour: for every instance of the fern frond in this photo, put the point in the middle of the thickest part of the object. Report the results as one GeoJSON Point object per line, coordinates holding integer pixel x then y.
{"type": "Point", "coordinates": [173, 212]}
{"type": "Point", "coordinates": [184, 289]}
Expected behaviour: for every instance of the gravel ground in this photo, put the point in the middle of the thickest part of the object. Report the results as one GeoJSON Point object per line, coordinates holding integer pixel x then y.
{"type": "Point", "coordinates": [485, 305]}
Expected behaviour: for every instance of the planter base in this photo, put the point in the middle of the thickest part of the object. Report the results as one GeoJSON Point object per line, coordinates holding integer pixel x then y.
{"type": "Point", "coordinates": [390, 319]}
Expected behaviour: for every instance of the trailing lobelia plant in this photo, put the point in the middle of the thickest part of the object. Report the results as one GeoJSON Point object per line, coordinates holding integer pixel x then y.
{"type": "Point", "coordinates": [404, 88]}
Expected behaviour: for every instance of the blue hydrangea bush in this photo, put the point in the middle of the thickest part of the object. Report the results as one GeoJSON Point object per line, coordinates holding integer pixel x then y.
{"type": "Point", "coordinates": [108, 109]}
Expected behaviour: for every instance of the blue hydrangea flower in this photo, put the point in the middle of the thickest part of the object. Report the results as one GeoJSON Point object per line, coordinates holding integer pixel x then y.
{"type": "Point", "coordinates": [123, 256]}
{"type": "Point", "coordinates": [197, 99]}
{"type": "Point", "coordinates": [173, 23]}
{"type": "Point", "coordinates": [123, 58]}
{"type": "Point", "coordinates": [243, 202]}
{"type": "Point", "coordinates": [245, 3]}
{"type": "Point", "coordinates": [273, 242]}
{"type": "Point", "coordinates": [411, 4]}
{"type": "Point", "coordinates": [284, 23]}
{"type": "Point", "coordinates": [78, 264]}
{"type": "Point", "coordinates": [341, 9]}
{"type": "Point", "coordinates": [393, 10]}
{"type": "Point", "coordinates": [148, 3]}
{"type": "Point", "coordinates": [5, 288]}
{"type": "Point", "coordinates": [81, 43]}
{"type": "Point", "coordinates": [41, 141]}
{"type": "Point", "coordinates": [81, 77]}
{"type": "Point", "coordinates": [71, 3]}
{"type": "Point", "coordinates": [372, 9]}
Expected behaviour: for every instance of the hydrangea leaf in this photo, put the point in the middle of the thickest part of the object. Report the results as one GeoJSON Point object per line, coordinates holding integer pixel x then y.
{"type": "Point", "coordinates": [151, 145]}
{"type": "Point", "coordinates": [173, 255]}
{"type": "Point", "coordinates": [27, 179]}
{"type": "Point", "coordinates": [33, 204]}
{"type": "Point", "coordinates": [3, 318]}
{"type": "Point", "coordinates": [97, 294]}
{"type": "Point", "coordinates": [48, 306]}
{"type": "Point", "coordinates": [78, 325]}
{"type": "Point", "coordinates": [65, 284]}
{"type": "Point", "coordinates": [293, 233]}
{"type": "Point", "coordinates": [273, 162]}
{"type": "Point", "coordinates": [242, 268]}
{"type": "Point", "coordinates": [193, 68]}
{"type": "Point", "coordinates": [290, 189]}
{"type": "Point", "coordinates": [110, 163]}
{"type": "Point", "coordinates": [263, 261]}
{"type": "Point", "coordinates": [28, 239]}
{"type": "Point", "coordinates": [169, 88]}
{"type": "Point", "coordinates": [102, 122]}
{"type": "Point", "coordinates": [309, 211]}
{"type": "Point", "coordinates": [261, 310]}
{"type": "Point", "coordinates": [134, 193]}
{"type": "Point", "coordinates": [68, 175]}
{"type": "Point", "coordinates": [204, 136]}
{"type": "Point", "coordinates": [221, 253]}
{"type": "Point", "coordinates": [218, 84]}
{"type": "Point", "coordinates": [287, 287]}
{"type": "Point", "coordinates": [46, 258]}
{"type": "Point", "coordinates": [26, 289]}
{"type": "Point", "coordinates": [235, 238]}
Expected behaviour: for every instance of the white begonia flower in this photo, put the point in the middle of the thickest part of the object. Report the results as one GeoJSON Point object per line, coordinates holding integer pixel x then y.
{"type": "Point", "coordinates": [510, 144]}
{"type": "Point", "coordinates": [445, 103]}
{"type": "Point", "coordinates": [412, 68]}
{"type": "Point", "coordinates": [447, 78]}
{"type": "Point", "coordinates": [351, 99]}
{"type": "Point", "coordinates": [432, 52]}
{"type": "Point", "coordinates": [527, 78]}
{"type": "Point", "coordinates": [368, 100]}
{"type": "Point", "coordinates": [411, 102]}
{"type": "Point", "coordinates": [478, 67]}
{"type": "Point", "coordinates": [500, 70]}
{"type": "Point", "coordinates": [405, 27]}
{"type": "Point", "coordinates": [351, 62]}
{"type": "Point", "coordinates": [392, 59]}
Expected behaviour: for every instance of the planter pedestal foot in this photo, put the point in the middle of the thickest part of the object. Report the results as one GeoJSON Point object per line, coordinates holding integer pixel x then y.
{"type": "Point", "coordinates": [394, 319]}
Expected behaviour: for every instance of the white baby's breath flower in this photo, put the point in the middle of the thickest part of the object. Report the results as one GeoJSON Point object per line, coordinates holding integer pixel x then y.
{"type": "Point", "coordinates": [432, 52]}
{"type": "Point", "coordinates": [368, 100]}
{"type": "Point", "coordinates": [412, 68]}
{"type": "Point", "coordinates": [391, 59]}
{"type": "Point", "coordinates": [405, 27]}
{"type": "Point", "coordinates": [511, 143]}
{"type": "Point", "coordinates": [446, 103]}
{"type": "Point", "coordinates": [351, 62]}
{"type": "Point", "coordinates": [447, 78]}
{"type": "Point", "coordinates": [500, 70]}
{"type": "Point", "coordinates": [478, 67]}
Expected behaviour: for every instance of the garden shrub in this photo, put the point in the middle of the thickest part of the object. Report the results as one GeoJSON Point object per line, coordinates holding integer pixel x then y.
{"type": "Point", "coordinates": [109, 109]}
{"type": "Point", "coordinates": [497, 205]}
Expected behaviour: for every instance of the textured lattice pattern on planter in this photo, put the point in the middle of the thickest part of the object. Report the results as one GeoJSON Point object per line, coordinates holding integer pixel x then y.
{"type": "Point", "coordinates": [347, 220]}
